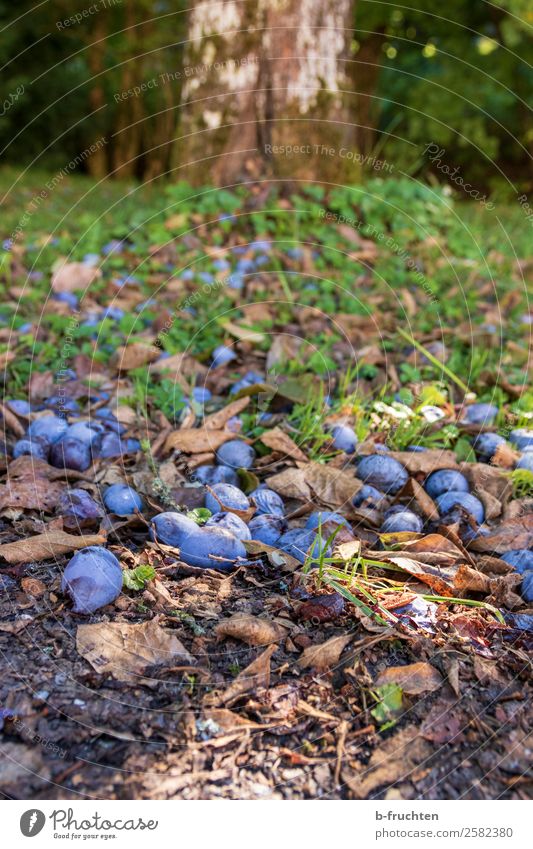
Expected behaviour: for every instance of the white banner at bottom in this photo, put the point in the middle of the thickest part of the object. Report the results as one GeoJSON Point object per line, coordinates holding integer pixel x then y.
{"type": "Point", "coordinates": [264, 825]}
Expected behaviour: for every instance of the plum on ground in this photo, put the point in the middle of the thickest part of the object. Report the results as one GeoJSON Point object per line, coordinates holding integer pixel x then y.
{"type": "Point", "coordinates": [172, 528]}
{"type": "Point", "coordinates": [230, 497]}
{"type": "Point", "coordinates": [448, 500]}
{"type": "Point", "coordinates": [51, 428]}
{"type": "Point", "coordinates": [485, 445]}
{"type": "Point", "coordinates": [480, 414]}
{"type": "Point", "coordinates": [122, 499]}
{"type": "Point", "coordinates": [70, 453]}
{"type": "Point", "coordinates": [344, 439]}
{"type": "Point", "coordinates": [445, 480]}
{"type": "Point", "coordinates": [114, 446]}
{"type": "Point", "coordinates": [89, 432]}
{"type": "Point", "coordinates": [216, 474]}
{"type": "Point", "coordinates": [527, 587]}
{"type": "Point", "coordinates": [35, 446]}
{"type": "Point", "coordinates": [404, 520]}
{"type": "Point", "coordinates": [236, 454]}
{"type": "Point", "coordinates": [212, 548]}
{"type": "Point", "coordinates": [520, 558]}
{"type": "Point", "coordinates": [267, 501]}
{"type": "Point", "coordinates": [92, 578]}
{"type": "Point", "coordinates": [303, 542]}
{"type": "Point", "coordinates": [369, 496]}
{"type": "Point", "coordinates": [522, 437]}
{"type": "Point", "coordinates": [385, 473]}
{"type": "Point", "coordinates": [321, 517]}
{"type": "Point", "coordinates": [251, 378]}
{"type": "Point", "coordinates": [525, 461]}
{"type": "Point", "coordinates": [222, 355]}
{"type": "Point", "coordinates": [230, 522]}
{"type": "Point", "coordinates": [78, 506]}
{"type": "Point", "coordinates": [267, 528]}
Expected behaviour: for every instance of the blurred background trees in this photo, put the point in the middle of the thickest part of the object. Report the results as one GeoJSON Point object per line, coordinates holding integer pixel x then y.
{"type": "Point", "coordinates": [380, 78]}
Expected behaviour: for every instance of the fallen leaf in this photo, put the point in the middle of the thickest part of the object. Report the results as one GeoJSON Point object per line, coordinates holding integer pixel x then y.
{"type": "Point", "coordinates": [129, 357]}
{"type": "Point", "coordinates": [325, 655]}
{"type": "Point", "coordinates": [35, 493]}
{"type": "Point", "coordinates": [46, 546]}
{"type": "Point", "coordinates": [278, 440]}
{"type": "Point", "coordinates": [433, 577]}
{"type": "Point", "coordinates": [316, 481]}
{"type": "Point", "coordinates": [425, 461]}
{"type": "Point", "coordinates": [414, 679]}
{"type": "Point", "coordinates": [395, 759]}
{"type": "Point", "coordinates": [68, 276]}
{"type": "Point", "coordinates": [255, 676]}
{"type": "Point", "coordinates": [413, 489]}
{"type": "Point", "coordinates": [125, 650]}
{"type": "Point", "coordinates": [245, 334]}
{"type": "Point", "coordinates": [517, 533]}
{"type": "Point", "coordinates": [197, 440]}
{"type": "Point", "coordinates": [322, 608]}
{"type": "Point", "coordinates": [216, 421]}
{"type": "Point", "coordinates": [252, 630]}
{"type": "Point", "coordinates": [11, 420]}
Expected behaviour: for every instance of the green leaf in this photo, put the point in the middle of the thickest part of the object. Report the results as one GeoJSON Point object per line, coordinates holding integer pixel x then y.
{"type": "Point", "coordinates": [136, 579]}
{"type": "Point", "coordinates": [390, 697]}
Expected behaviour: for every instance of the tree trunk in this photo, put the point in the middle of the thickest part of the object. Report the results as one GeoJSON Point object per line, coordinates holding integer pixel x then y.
{"type": "Point", "coordinates": [262, 77]}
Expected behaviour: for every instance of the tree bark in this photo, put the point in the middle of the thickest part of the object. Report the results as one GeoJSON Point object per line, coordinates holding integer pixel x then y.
{"type": "Point", "coordinates": [262, 76]}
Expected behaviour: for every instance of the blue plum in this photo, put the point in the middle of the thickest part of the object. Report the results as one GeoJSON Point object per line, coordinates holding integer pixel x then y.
{"type": "Point", "coordinates": [92, 578]}
{"type": "Point", "coordinates": [520, 558]}
{"type": "Point", "coordinates": [172, 528]}
{"type": "Point", "coordinates": [369, 496]}
{"type": "Point", "coordinates": [70, 453]}
{"type": "Point", "coordinates": [223, 355]}
{"type": "Point", "coordinates": [230, 497]}
{"type": "Point", "coordinates": [344, 439]}
{"type": "Point", "coordinates": [527, 587]}
{"type": "Point", "coordinates": [35, 447]}
{"type": "Point", "coordinates": [385, 473]}
{"type": "Point", "coordinates": [485, 445]}
{"type": "Point", "coordinates": [302, 542]}
{"type": "Point", "coordinates": [522, 437]}
{"type": "Point", "coordinates": [122, 500]}
{"type": "Point", "coordinates": [267, 501]}
{"type": "Point", "coordinates": [321, 517]}
{"type": "Point", "coordinates": [480, 414]}
{"type": "Point", "coordinates": [216, 474]}
{"type": "Point", "coordinates": [445, 480]}
{"type": "Point", "coordinates": [230, 522]}
{"type": "Point", "coordinates": [236, 454]}
{"type": "Point", "coordinates": [448, 500]}
{"type": "Point", "coordinates": [51, 428]}
{"type": "Point", "coordinates": [267, 528]}
{"type": "Point", "coordinates": [404, 520]}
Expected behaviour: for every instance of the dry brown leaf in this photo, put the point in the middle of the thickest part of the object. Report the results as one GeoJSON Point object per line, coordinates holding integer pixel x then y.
{"type": "Point", "coordinates": [182, 366]}
{"type": "Point", "coordinates": [278, 440]}
{"type": "Point", "coordinates": [325, 655]}
{"type": "Point", "coordinates": [425, 461]}
{"type": "Point", "coordinates": [252, 630]}
{"type": "Point", "coordinates": [6, 357]}
{"type": "Point", "coordinates": [245, 334]}
{"type": "Point", "coordinates": [129, 357]}
{"type": "Point", "coordinates": [46, 546]}
{"type": "Point", "coordinates": [430, 575]}
{"type": "Point", "coordinates": [426, 504]}
{"type": "Point", "coordinates": [395, 759]}
{"type": "Point", "coordinates": [31, 494]}
{"type": "Point", "coordinates": [69, 276]}
{"type": "Point", "coordinates": [517, 533]}
{"type": "Point", "coordinates": [414, 679]}
{"type": "Point", "coordinates": [255, 676]}
{"type": "Point", "coordinates": [125, 651]}
{"type": "Point", "coordinates": [316, 482]}
{"type": "Point", "coordinates": [197, 440]}
{"type": "Point", "coordinates": [227, 720]}
{"type": "Point", "coordinates": [216, 421]}
{"type": "Point", "coordinates": [12, 421]}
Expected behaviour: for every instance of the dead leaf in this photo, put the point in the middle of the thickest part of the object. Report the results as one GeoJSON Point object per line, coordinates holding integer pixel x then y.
{"type": "Point", "coordinates": [425, 461]}
{"type": "Point", "coordinates": [125, 651]}
{"type": "Point", "coordinates": [129, 357]}
{"type": "Point", "coordinates": [414, 679]}
{"type": "Point", "coordinates": [433, 577]}
{"type": "Point", "coordinates": [216, 421]}
{"type": "Point", "coordinates": [517, 533]}
{"type": "Point", "coordinates": [31, 494]}
{"type": "Point", "coordinates": [253, 630]}
{"type": "Point", "coordinates": [426, 504]}
{"type": "Point", "coordinates": [280, 441]}
{"type": "Point", "coordinates": [47, 546]}
{"type": "Point", "coordinates": [394, 760]}
{"type": "Point", "coordinates": [245, 334]}
{"type": "Point", "coordinates": [69, 276]}
{"type": "Point", "coordinates": [255, 676]}
{"type": "Point", "coordinates": [325, 655]}
{"type": "Point", "coordinates": [197, 440]}
{"type": "Point", "coordinates": [11, 420]}
{"type": "Point", "coordinates": [315, 481]}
